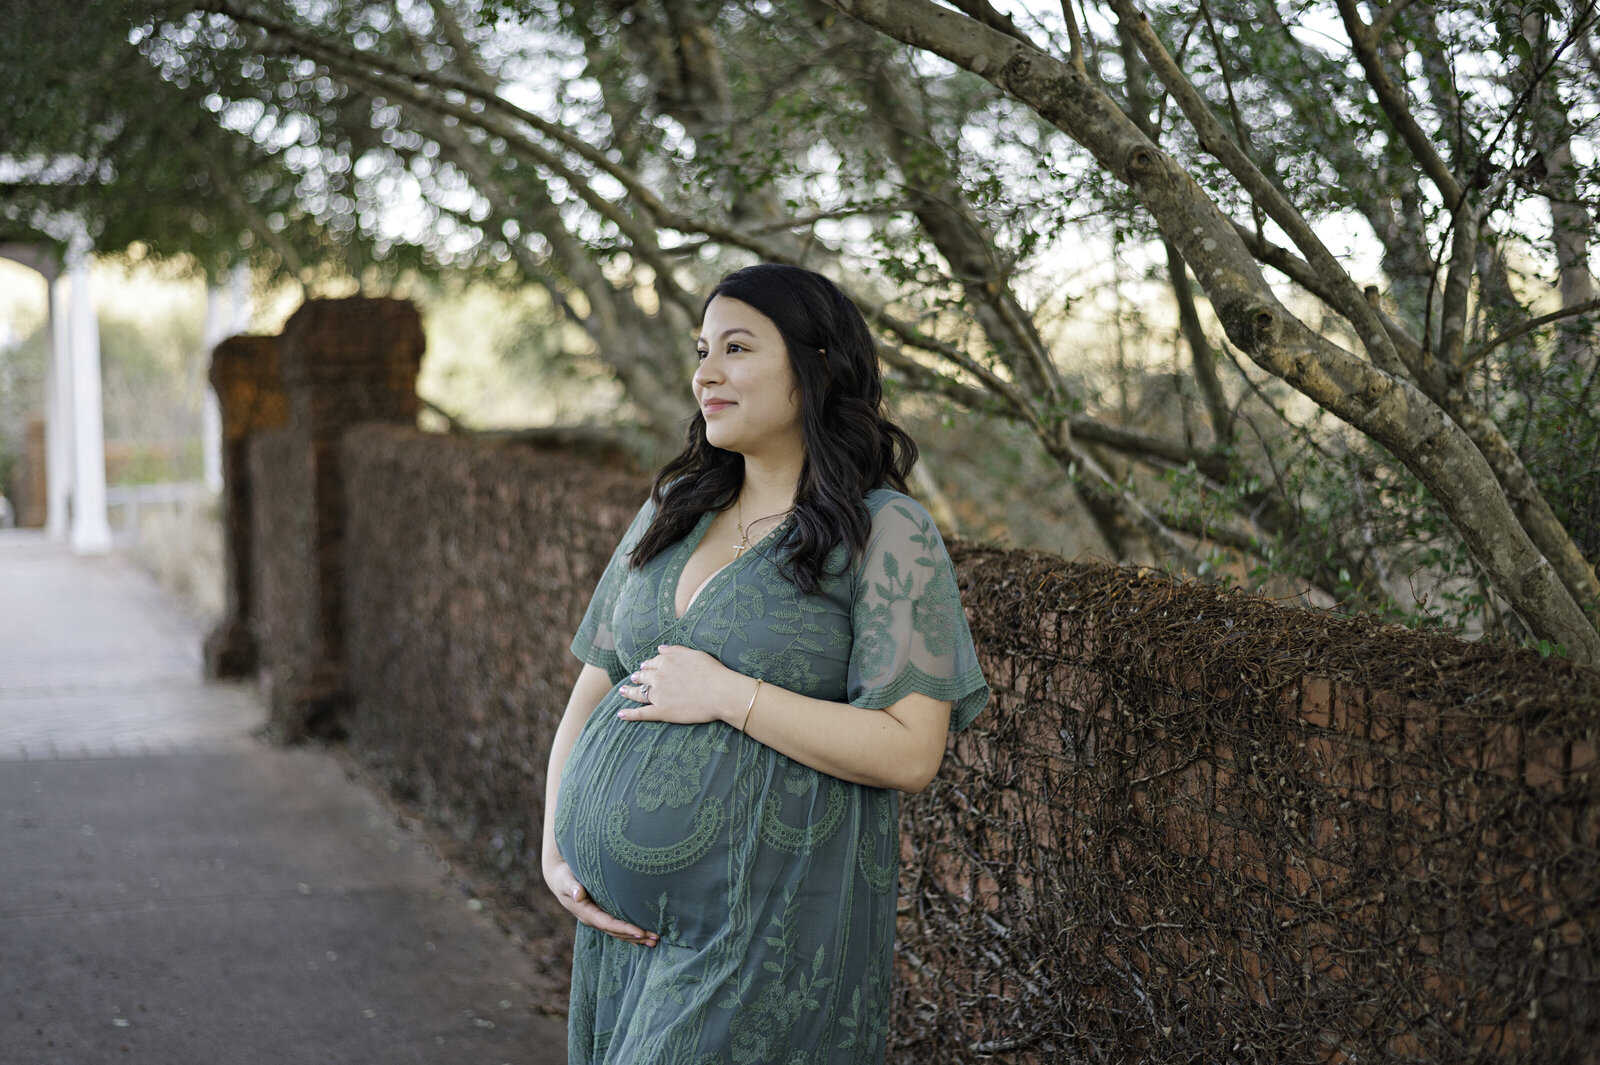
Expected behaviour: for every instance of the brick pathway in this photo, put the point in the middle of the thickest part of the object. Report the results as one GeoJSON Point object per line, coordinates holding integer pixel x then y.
{"type": "Point", "coordinates": [177, 892]}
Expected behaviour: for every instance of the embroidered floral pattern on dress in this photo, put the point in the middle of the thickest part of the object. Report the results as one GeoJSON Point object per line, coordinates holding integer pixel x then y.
{"type": "Point", "coordinates": [772, 885]}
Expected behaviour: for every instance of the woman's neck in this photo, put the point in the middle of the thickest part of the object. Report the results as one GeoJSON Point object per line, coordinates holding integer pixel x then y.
{"type": "Point", "coordinates": [769, 487]}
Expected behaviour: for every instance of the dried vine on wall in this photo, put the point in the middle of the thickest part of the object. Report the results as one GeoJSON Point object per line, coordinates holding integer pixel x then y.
{"type": "Point", "coordinates": [1196, 826]}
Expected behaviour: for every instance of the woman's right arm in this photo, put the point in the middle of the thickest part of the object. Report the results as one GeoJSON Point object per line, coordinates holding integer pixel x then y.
{"type": "Point", "coordinates": [593, 685]}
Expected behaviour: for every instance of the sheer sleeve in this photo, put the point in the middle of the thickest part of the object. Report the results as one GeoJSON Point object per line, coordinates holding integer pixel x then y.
{"type": "Point", "coordinates": [596, 642]}
{"type": "Point", "coordinates": [910, 634]}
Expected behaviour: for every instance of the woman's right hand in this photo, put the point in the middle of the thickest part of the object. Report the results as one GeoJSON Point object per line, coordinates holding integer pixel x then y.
{"type": "Point", "coordinates": [592, 685]}
{"type": "Point", "coordinates": [576, 899]}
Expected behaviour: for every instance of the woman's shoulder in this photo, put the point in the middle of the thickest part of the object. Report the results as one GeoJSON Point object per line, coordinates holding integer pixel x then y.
{"type": "Point", "coordinates": [641, 521]}
{"type": "Point", "coordinates": [897, 514]}
{"type": "Point", "coordinates": [646, 512]}
{"type": "Point", "coordinates": [879, 498]}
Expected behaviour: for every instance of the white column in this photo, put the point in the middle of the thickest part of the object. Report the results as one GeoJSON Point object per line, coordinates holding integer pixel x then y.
{"type": "Point", "coordinates": [58, 412]}
{"type": "Point", "coordinates": [213, 333]}
{"type": "Point", "coordinates": [91, 531]}
{"type": "Point", "coordinates": [227, 315]}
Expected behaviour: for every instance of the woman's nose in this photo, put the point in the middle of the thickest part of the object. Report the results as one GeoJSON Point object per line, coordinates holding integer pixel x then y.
{"type": "Point", "coordinates": [709, 371]}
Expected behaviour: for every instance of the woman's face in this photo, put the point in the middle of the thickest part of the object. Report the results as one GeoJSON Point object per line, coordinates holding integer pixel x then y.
{"type": "Point", "coordinates": [744, 385]}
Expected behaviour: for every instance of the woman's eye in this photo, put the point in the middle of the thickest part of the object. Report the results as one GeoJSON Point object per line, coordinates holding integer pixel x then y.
{"type": "Point", "coordinates": [735, 347]}
{"type": "Point", "coordinates": [701, 353]}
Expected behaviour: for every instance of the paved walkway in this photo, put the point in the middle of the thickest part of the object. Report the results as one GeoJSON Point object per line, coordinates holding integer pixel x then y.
{"type": "Point", "coordinates": [174, 891]}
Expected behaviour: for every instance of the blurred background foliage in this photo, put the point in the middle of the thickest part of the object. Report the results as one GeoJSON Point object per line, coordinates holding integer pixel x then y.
{"type": "Point", "coordinates": [557, 181]}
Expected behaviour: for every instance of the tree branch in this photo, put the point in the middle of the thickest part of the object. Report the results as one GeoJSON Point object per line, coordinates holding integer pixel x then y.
{"type": "Point", "coordinates": [1205, 360]}
{"type": "Point", "coordinates": [1457, 291]}
{"type": "Point", "coordinates": [1300, 272]}
{"type": "Point", "coordinates": [1474, 355]}
{"type": "Point", "coordinates": [644, 245]}
{"type": "Point", "coordinates": [394, 76]}
{"type": "Point", "coordinates": [1389, 409]}
{"type": "Point", "coordinates": [939, 201]}
{"type": "Point", "coordinates": [1076, 38]}
{"type": "Point", "coordinates": [926, 379]}
{"type": "Point", "coordinates": [1364, 41]}
{"type": "Point", "coordinates": [1200, 529]}
{"type": "Point", "coordinates": [1153, 450]}
{"type": "Point", "coordinates": [1531, 508]}
{"type": "Point", "coordinates": [1056, 437]}
{"type": "Point", "coordinates": [1345, 297]}
{"type": "Point", "coordinates": [1387, 15]}
{"type": "Point", "coordinates": [986, 13]}
{"type": "Point", "coordinates": [910, 334]}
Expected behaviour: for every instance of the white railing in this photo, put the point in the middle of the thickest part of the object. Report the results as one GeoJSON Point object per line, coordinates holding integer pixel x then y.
{"type": "Point", "coordinates": [124, 500]}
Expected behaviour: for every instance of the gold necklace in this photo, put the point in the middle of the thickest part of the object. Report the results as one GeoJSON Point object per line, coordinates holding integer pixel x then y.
{"type": "Point", "coordinates": [744, 536]}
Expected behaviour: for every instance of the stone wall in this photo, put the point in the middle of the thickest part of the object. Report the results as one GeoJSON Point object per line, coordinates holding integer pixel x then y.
{"type": "Point", "coordinates": [1197, 826]}
{"type": "Point", "coordinates": [469, 566]}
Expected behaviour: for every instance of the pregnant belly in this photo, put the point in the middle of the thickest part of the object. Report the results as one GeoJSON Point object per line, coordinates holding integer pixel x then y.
{"type": "Point", "coordinates": [646, 818]}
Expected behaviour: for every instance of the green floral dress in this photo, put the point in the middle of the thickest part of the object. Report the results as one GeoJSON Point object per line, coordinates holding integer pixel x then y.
{"type": "Point", "coordinates": [772, 885]}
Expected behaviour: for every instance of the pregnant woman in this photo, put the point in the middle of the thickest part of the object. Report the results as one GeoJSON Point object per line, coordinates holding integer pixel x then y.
{"type": "Point", "coordinates": [775, 651]}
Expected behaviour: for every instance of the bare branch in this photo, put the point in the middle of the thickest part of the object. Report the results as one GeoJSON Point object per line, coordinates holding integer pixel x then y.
{"type": "Point", "coordinates": [1076, 56]}
{"type": "Point", "coordinates": [1153, 450]}
{"type": "Point", "coordinates": [1343, 295]}
{"type": "Point", "coordinates": [1457, 289]}
{"type": "Point", "coordinates": [1474, 355]}
{"type": "Point", "coordinates": [926, 379]}
{"type": "Point", "coordinates": [1300, 272]}
{"type": "Point", "coordinates": [1205, 360]}
{"type": "Point", "coordinates": [910, 334]}
{"type": "Point", "coordinates": [1200, 529]}
{"type": "Point", "coordinates": [986, 13]}
{"type": "Point", "coordinates": [1387, 15]}
{"type": "Point", "coordinates": [1127, 507]}
{"type": "Point", "coordinates": [1364, 40]}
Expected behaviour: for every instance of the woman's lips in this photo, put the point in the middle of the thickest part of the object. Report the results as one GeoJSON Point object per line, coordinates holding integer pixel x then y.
{"type": "Point", "coordinates": [711, 406]}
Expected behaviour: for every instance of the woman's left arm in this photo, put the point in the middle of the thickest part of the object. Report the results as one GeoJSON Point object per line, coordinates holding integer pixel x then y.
{"type": "Point", "coordinates": [897, 747]}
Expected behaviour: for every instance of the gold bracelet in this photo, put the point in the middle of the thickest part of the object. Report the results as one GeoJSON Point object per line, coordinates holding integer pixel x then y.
{"type": "Point", "coordinates": [752, 705]}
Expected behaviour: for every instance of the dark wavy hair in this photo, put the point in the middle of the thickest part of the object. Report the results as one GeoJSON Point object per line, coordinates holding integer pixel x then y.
{"type": "Point", "coordinates": [851, 448]}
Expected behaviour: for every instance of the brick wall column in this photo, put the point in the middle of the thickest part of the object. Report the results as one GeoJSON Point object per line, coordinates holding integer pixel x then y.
{"type": "Point", "coordinates": [343, 362]}
{"type": "Point", "coordinates": [251, 398]}
{"type": "Point", "coordinates": [33, 502]}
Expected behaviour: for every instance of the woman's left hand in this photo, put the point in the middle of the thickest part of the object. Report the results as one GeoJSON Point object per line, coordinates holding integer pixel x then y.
{"type": "Point", "coordinates": [682, 686]}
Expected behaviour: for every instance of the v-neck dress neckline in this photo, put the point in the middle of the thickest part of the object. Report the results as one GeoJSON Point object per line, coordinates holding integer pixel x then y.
{"type": "Point", "coordinates": [686, 548]}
